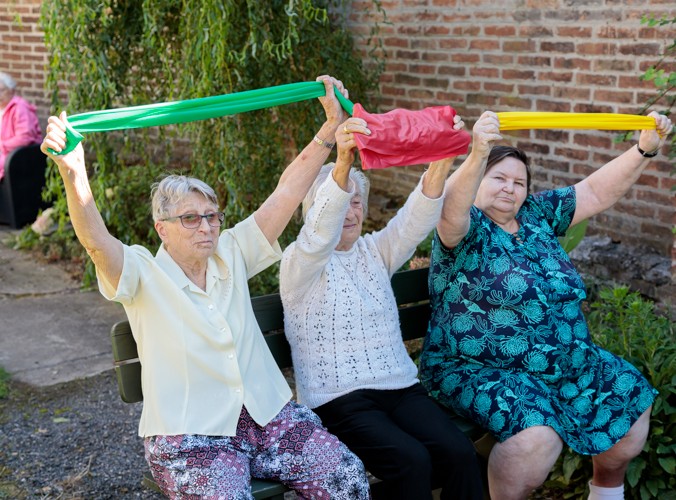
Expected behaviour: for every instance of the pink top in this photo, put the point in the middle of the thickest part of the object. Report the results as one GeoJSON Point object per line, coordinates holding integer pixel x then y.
{"type": "Point", "coordinates": [19, 127]}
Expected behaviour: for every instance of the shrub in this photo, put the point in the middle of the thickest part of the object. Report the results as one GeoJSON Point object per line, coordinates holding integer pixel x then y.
{"type": "Point", "coordinates": [629, 326]}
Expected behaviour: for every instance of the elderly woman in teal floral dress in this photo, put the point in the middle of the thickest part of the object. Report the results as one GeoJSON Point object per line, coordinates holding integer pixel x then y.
{"type": "Point", "coordinates": [508, 346]}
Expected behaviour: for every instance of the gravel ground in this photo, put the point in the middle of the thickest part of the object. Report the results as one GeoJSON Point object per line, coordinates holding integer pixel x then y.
{"type": "Point", "coordinates": [75, 440]}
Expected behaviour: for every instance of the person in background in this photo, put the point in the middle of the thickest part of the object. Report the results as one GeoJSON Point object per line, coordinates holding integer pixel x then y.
{"type": "Point", "coordinates": [508, 346]}
{"type": "Point", "coordinates": [340, 317]}
{"type": "Point", "coordinates": [217, 410]}
{"type": "Point", "coordinates": [19, 124]}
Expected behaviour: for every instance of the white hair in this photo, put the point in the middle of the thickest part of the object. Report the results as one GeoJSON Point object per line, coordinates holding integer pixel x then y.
{"type": "Point", "coordinates": [356, 176]}
{"type": "Point", "coordinates": [171, 191]}
{"type": "Point", "coordinates": [7, 81]}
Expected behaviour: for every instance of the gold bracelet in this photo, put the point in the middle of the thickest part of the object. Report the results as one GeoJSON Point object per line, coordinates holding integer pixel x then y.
{"type": "Point", "coordinates": [326, 144]}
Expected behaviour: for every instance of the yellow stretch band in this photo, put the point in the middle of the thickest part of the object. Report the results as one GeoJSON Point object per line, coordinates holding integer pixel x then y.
{"type": "Point", "coordinates": [518, 120]}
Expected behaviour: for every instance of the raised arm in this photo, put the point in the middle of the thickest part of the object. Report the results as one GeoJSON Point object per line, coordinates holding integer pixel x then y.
{"type": "Point", "coordinates": [276, 212]}
{"type": "Point", "coordinates": [608, 184]}
{"type": "Point", "coordinates": [463, 184]}
{"type": "Point", "coordinates": [106, 251]}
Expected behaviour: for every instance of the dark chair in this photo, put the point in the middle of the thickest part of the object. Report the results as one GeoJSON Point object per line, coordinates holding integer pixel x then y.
{"type": "Point", "coordinates": [21, 187]}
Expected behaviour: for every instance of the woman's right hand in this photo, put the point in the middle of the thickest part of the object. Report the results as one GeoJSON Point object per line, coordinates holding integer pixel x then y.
{"type": "Point", "coordinates": [485, 133]}
{"type": "Point", "coordinates": [56, 141]}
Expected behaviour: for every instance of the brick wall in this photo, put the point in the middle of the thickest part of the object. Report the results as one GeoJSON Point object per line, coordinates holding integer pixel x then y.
{"type": "Point", "coordinates": [537, 55]}
{"type": "Point", "coordinates": [534, 55]}
{"type": "Point", "coordinates": [23, 53]}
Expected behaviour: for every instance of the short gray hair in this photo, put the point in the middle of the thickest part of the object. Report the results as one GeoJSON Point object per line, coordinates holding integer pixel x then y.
{"type": "Point", "coordinates": [171, 190]}
{"type": "Point", "coordinates": [357, 176]}
{"type": "Point", "coordinates": [7, 81]}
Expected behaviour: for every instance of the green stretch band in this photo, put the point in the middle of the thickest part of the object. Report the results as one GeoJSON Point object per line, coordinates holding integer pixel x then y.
{"type": "Point", "coordinates": [168, 113]}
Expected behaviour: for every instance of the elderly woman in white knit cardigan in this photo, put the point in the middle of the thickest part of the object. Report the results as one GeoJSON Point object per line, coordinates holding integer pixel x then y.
{"type": "Point", "coordinates": [341, 319]}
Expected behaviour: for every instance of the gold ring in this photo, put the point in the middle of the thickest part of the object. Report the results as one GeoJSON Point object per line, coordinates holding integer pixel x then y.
{"type": "Point", "coordinates": [345, 129]}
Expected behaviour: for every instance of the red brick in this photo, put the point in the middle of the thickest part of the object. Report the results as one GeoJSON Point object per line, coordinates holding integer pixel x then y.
{"type": "Point", "coordinates": [424, 44]}
{"type": "Point", "coordinates": [565, 47]}
{"type": "Point", "coordinates": [484, 45]}
{"type": "Point", "coordinates": [611, 65]}
{"type": "Point", "coordinates": [515, 74]}
{"type": "Point", "coordinates": [535, 32]}
{"type": "Point", "coordinates": [615, 32]}
{"type": "Point", "coordinates": [453, 43]}
{"type": "Point", "coordinates": [553, 106]}
{"type": "Point", "coordinates": [555, 76]}
{"type": "Point", "coordinates": [596, 48]}
{"type": "Point", "coordinates": [534, 89]}
{"type": "Point", "coordinates": [575, 32]}
{"type": "Point", "coordinates": [499, 59]}
{"type": "Point", "coordinates": [591, 141]}
{"type": "Point", "coordinates": [571, 93]}
{"type": "Point", "coordinates": [486, 100]}
{"type": "Point", "coordinates": [500, 31]}
{"type": "Point", "coordinates": [555, 136]}
{"type": "Point", "coordinates": [485, 72]}
{"type": "Point", "coordinates": [593, 79]}
{"type": "Point", "coordinates": [573, 154]}
{"type": "Point", "coordinates": [396, 41]}
{"type": "Point", "coordinates": [535, 61]}
{"type": "Point", "coordinates": [611, 96]}
{"type": "Point", "coordinates": [435, 56]}
{"type": "Point", "coordinates": [518, 45]}
{"type": "Point", "coordinates": [645, 49]}
{"type": "Point", "coordinates": [517, 102]}
{"type": "Point", "coordinates": [467, 85]}
{"type": "Point", "coordinates": [425, 69]}
{"type": "Point", "coordinates": [465, 58]}
{"type": "Point", "coordinates": [572, 63]}
{"type": "Point", "coordinates": [499, 87]}
{"type": "Point", "coordinates": [449, 97]}
{"type": "Point", "coordinates": [452, 70]}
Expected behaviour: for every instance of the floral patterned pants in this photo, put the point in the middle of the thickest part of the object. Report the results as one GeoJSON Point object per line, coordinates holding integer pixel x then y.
{"type": "Point", "coordinates": [294, 449]}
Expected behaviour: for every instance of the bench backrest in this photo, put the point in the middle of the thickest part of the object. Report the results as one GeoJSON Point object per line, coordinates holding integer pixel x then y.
{"type": "Point", "coordinates": [410, 290]}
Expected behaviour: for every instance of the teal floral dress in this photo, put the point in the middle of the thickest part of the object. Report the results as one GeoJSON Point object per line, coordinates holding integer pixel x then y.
{"type": "Point", "coordinates": [508, 346]}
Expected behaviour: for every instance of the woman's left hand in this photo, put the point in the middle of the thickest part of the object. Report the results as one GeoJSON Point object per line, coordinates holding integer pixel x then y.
{"type": "Point", "coordinates": [345, 137]}
{"type": "Point", "coordinates": [652, 140]}
{"type": "Point", "coordinates": [458, 124]}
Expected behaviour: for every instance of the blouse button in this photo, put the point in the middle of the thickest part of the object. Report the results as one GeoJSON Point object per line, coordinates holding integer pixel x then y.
{"type": "Point", "coordinates": [211, 306]}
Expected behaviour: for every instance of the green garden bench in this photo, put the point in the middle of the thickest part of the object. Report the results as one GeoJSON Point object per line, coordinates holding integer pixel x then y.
{"type": "Point", "coordinates": [412, 295]}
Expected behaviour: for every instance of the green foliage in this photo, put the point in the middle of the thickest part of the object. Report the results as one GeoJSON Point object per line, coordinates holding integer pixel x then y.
{"type": "Point", "coordinates": [574, 236]}
{"type": "Point", "coordinates": [109, 53]}
{"type": "Point", "coordinates": [628, 325]}
{"type": "Point", "coordinates": [4, 378]}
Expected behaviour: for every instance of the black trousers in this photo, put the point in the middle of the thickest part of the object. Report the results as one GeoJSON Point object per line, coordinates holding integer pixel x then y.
{"type": "Point", "coordinates": [405, 439]}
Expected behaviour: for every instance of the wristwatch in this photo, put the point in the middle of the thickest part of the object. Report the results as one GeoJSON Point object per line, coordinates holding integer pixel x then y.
{"type": "Point", "coordinates": [645, 154]}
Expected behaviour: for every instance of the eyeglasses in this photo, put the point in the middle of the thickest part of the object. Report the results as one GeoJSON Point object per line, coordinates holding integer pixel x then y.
{"type": "Point", "coordinates": [193, 221]}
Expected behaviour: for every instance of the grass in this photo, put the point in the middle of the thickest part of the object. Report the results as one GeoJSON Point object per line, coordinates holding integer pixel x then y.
{"type": "Point", "coordinates": [4, 387]}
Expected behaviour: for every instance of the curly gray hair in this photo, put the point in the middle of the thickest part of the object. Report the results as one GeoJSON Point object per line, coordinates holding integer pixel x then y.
{"type": "Point", "coordinates": [357, 176]}
{"type": "Point", "coordinates": [171, 190]}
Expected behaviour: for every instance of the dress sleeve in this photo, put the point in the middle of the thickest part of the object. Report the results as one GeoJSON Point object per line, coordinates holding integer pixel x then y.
{"type": "Point", "coordinates": [557, 207]}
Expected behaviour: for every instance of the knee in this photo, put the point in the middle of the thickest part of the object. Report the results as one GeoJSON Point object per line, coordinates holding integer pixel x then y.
{"type": "Point", "coordinates": [461, 455]}
{"type": "Point", "coordinates": [412, 460]}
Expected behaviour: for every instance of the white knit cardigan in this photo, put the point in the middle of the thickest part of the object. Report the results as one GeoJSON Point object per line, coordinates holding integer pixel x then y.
{"type": "Point", "coordinates": [340, 315]}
